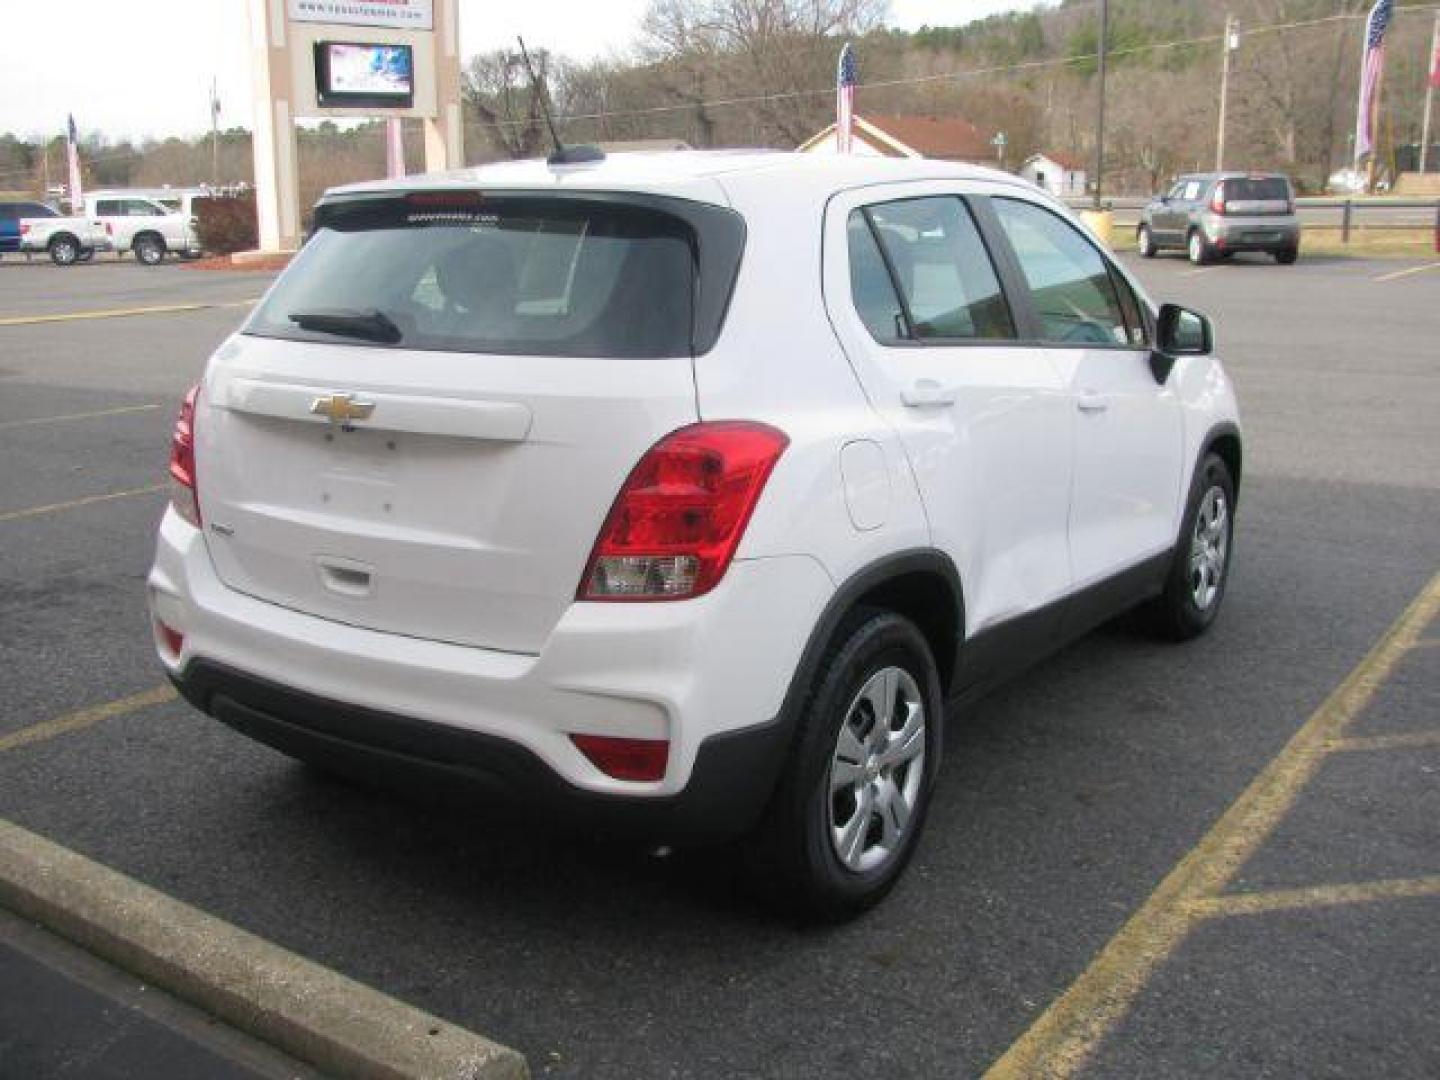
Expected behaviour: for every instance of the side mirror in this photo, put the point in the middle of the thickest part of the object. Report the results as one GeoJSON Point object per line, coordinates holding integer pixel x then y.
{"type": "Point", "coordinates": [1179, 332]}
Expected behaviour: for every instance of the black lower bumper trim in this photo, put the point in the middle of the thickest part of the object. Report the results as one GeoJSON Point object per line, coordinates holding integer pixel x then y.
{"type": "Point", "coordinates": [730, 784]}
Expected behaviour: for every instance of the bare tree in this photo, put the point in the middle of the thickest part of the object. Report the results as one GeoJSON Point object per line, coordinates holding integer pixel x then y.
{"type": "Point", "coordinates": [497, 88]}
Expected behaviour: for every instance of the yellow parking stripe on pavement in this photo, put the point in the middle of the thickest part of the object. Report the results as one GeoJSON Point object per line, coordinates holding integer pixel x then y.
{"type": "Point", "coordinates": [1410, 740]}
{"type": "Point", "coordinates": [63, 725]}
{"type": "Point", "coordinates": [39, 420]}
{"type": "Point", "coordinates": [1067, 1033]}
{"type": "Point", "coordinates": [119, 313]}
{"type": "Point", "coordinates": [1407, 272]}
{"type": "Point", "coordinates": [53, 508]}
{"type": "Point", "coordinates": [1317, 896]}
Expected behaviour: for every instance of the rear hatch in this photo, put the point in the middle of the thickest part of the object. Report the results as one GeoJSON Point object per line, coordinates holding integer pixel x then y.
{"type": "Point", "coordinates": [421, 429]}
{"type": "Point", "coordinates": [1257, 196]}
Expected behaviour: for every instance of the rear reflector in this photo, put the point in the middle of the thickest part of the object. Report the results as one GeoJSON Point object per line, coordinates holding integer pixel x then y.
{"type": "Point", "coordinates": [172, 638]}
{"type": "Point", "coordinates": [681, 513]}
{"type": "Point", "coordinates": [625, 759]}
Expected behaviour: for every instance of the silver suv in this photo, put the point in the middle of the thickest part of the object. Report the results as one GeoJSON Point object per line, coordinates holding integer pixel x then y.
{"type": "Point", "coordinates": [1210, 215]}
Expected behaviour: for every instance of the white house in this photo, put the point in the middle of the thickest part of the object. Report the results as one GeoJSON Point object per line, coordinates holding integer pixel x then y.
{"type": "Point", "coordinates": [1059, 174]}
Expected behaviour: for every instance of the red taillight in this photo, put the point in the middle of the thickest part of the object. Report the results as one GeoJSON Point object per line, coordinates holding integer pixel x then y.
{"type": "Point", "coordinates": [109, 229]}
{"type": "Point", "coordinates": [25, 228]}
{"type": "Point", "coordinates": [1217, 201]}
{"type": "Point", "coordinates": [625, 759]}
{"type": "Point", "coordinates": [184, 488]}
{"type": "Point", "coordinates": [680, 515]}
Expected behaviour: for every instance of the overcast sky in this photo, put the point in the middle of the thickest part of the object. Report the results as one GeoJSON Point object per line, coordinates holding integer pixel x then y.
{"type": "Point", "coordinates": [143, 67]}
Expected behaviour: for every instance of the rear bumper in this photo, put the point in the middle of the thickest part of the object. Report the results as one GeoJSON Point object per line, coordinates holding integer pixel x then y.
{"type": "Point", "coordinates": [708, 675]}
{"type": "Point", "coordinates": [730, 782]}
{"type": "Point", "coordinates": [1253, 234]}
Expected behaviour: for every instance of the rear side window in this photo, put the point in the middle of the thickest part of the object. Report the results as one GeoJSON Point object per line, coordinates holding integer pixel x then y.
{"type": "Point", "coordinates": [109, 208]}
{"type": "Point", "coordinates": [511, 275]}
{"type": "Point", "coordinates": [925, 257]}
{"type": "Point", "coordinates": [1070, 284]}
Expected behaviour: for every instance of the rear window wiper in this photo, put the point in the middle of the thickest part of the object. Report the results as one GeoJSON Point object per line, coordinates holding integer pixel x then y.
{"type": "Point", "coordinates": [371, 325]}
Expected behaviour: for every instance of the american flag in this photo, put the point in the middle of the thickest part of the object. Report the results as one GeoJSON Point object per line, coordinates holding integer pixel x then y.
{"type": "Point", "coordinates": [72, 152]}
{"type": "Point", "coordinates": [1371, 72]}
{"type": "Point", "coordinates": [847, 74]}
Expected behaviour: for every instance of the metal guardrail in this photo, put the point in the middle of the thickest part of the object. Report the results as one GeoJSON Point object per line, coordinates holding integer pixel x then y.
{"type": "Point", "coordinates": [1345, 213]}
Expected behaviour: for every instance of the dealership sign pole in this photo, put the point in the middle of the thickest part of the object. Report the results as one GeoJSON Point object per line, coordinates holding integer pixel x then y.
{"type": "Point", "coordinates": [347, 59]}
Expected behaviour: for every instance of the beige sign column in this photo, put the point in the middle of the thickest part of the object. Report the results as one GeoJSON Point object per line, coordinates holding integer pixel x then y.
{"type": "Point", "coordinates": [277, 180]}
{"type": "Point", "coordinates": [444, 134]}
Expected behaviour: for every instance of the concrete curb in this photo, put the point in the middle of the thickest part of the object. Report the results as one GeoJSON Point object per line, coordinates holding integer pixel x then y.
{"type": "Point", "coordinates": [310, 1012]}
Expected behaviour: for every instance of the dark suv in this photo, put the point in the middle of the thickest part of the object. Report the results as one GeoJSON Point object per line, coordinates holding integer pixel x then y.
{"type": "Point", "coordinates": [1217, 214]}
{"type": "Point", "coordinates": [10, 215]}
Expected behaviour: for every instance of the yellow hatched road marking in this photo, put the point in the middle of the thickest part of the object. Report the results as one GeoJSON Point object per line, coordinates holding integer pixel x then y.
{"type": "Point", "coordinates": [75, 721]}
{"type": "Point", "coordinates": [1066, 1034]}
{"type": "Point", "coordinates": [1318, 896]}
{"type": "Point", "coordinates": [37, 421]}
{"type": "Point", "coordinates": [1407, 272]}
{"type": "Point", "coordinates": [89, 500]}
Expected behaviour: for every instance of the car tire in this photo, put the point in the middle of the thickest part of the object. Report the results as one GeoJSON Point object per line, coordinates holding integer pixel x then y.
{"type": "Point", "coordinates": [64, 251]}
{"type": "Point", "coordinates": [1198, 248]}
{"type": "Point", "coordinates": [1287, 256]}
{"type": "Point", "coordinates": [1200, 570]}
{"type": "Point", "coordinates": [851, 802]}
{"type": "Point", "coordinates": [1145, 242]}
{"type": "Point", "coordinates": [149, 249]}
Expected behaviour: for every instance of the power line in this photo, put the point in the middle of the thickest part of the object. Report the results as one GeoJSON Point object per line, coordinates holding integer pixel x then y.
{"type": "Point", "coordinates": [998, 69]}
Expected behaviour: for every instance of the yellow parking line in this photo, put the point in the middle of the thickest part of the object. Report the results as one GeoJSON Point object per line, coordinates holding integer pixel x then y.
{"type": "Point", "coordinates": [1211, 907]}
{"type": "Point", "coordinates": [119, 313]}
{"type": "Point", "coordinates": [1065, 1035]}
{"type": "Point", "coordinates": [37, 421]}
{"type": "Point", "coordinates": [75, 721]}
{"type": "Point", "coordinates": [1412, 740]}
{"type": "Point", "coordinates": [54, 508]}
{"type": "Point", "coordinates": [1407, 272]}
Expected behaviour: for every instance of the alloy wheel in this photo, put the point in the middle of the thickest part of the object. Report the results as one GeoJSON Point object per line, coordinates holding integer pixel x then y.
{"type": "Point", "coordinates": [1209, 548]}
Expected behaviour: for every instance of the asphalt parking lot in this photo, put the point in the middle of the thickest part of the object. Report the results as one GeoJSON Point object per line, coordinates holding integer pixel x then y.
{"type": "Point", "coordinates": [1101, 891]}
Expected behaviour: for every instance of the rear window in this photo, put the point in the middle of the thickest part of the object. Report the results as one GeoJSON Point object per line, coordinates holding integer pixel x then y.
{"type": "Point", "coordinates": [462, 272]}
{"type": "Point", "coordinates": [1263, 189]}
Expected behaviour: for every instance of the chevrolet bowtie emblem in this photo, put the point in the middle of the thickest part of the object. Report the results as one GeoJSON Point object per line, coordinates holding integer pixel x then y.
{"type": "Point", "coordinates": [341, 408]}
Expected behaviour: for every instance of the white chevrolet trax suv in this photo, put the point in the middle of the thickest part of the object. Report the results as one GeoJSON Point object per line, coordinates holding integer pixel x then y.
{"type": "Point", "coordinates": [688, 489]}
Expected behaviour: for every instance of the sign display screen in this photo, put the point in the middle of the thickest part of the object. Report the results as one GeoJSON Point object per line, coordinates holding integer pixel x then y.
{"type": "Point", "coordinates": [358, 75]}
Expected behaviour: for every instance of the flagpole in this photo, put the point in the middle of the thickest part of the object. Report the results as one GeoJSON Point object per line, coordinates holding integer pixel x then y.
{"type": "Point", "coordinates": [1370, 179]}
{"type": "Point", "coordinates": [1432, 76]}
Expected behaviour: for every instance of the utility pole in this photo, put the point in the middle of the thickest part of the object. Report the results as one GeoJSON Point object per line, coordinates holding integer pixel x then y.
{"type": "Point", "coordinates": [1230, 43]}
{"type": "Point", "coordinates": [1433, 72]}
{"type": "Point", "coordinates": [214, 135]}
{"type": "Point", "coordinates": [1102, 49]}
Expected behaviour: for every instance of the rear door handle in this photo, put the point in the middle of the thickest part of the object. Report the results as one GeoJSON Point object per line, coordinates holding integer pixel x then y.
{"type": "Point", "coordinates": [1091, 402]}
{"type": "Point", "coordinates": [927, 394]}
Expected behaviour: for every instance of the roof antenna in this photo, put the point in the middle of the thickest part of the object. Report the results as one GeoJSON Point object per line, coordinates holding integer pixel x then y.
{"type": "Point", "coordinates": [563, 155]}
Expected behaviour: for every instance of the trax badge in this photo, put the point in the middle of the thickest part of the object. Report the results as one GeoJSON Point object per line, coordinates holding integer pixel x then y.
{"type": "Point", "coordinates": [341, 409]}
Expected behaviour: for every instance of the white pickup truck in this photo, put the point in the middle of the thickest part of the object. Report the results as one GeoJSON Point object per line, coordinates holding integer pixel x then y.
{"type": "Point", "coordinates": [113, 221]}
